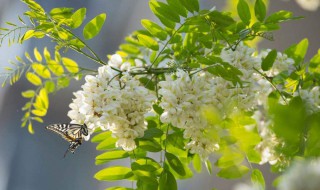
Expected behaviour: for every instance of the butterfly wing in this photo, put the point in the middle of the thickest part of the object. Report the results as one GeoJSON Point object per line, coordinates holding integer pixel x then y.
{"type": "Point", "coordinates": [73, 133]}
{"type": "Point", "coordinates": [69, 132]}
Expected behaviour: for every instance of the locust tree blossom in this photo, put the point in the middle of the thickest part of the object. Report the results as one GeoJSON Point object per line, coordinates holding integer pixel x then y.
{"type": "Point", "coordinates": [113, 103]}
{"type": "Point", "coordinates": [182, 101]}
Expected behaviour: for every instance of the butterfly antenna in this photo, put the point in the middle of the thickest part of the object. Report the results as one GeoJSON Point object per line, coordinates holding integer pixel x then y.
{"type": "Point", "coordinates": [65, 154]}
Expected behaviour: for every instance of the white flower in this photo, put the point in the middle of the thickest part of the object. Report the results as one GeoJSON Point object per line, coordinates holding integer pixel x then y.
{"type": "Point", "coordinates": [113, 103]}
{"type": "Point", "coordinates": [311, 98]}
{"type": "Point", "coordinates": [242, 58]}
{"type": "Point", "coordinates": [182, 101]}
{"type": "Point", "coordinates": [309, 5]}
{"type": "Point", "coordinates": [115, 61]}
{"type": "Point", "coordinates": [302, 175]}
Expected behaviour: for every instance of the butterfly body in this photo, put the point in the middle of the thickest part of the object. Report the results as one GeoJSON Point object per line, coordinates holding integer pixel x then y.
{"type": "Point", "coordinates": [73, 133]}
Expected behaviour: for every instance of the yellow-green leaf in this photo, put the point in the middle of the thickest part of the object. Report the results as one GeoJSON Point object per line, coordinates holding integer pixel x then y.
{"type": "Point", "coordinates": [37, 55]}
{"type": "Point", "coordinates": [78, 17]}
{"type": "Point", "coordinates": [70, 65]}
{"type": "Point", "coordinates": [30, 129]}
{"type": "Point", "coordinates": [46, 54]}
{"type": "Point", "coordinates": [55, 68]}
{"type": "Point", "coordinates": [29, 34]}
{"type": "Point", "coordinates": [34, 79]}
{"type": "Point", "coordinates": [41, 70]}
{"type": "Point", "coordinates": [148, 42]}
{"type": "Point", "coordinates": [114, 173]}
{"type": "Point", "coordinates": [40, 113]}
{"type": "Point", "coordinates": [28, 93]}
{"type": "Point", "coordinates": [50, 86]}
{"type": "Point", "coordinates": [92, 28]}
{"type": "Point", "coordinates": [43, 95]}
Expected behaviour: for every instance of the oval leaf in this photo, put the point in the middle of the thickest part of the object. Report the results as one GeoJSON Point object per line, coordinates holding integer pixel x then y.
{"type": "Point", "coordinates": [70, 65]}
{"type": "Point", "coordinates": [154, 29]}
{"type": "Point", "coordinates": [268, 61]}
{"type": "Point", "coordinates": [78, 17]}
{"type": "Point", "coordinates": [93, 27]}
{"type": "Point", "coordinates": [148, 42]}
{"type": "Point", "coordinates": [114, 173]}
{"type": "Point", "coordinates": [34, 79]}
{"type": "Point", "coordinates": [167, 181]}
{"type": "Point", "coordinates": [111, 155]}
{"type": "Point", "coordinates": [257, 178]}
{"type": "Point", "coordinates": [41, 70]}
{"type": "Point", "coordinates": [244, 11]}
{"type": "Point", "coordinates": [175, 164]}
{"type": "Point", "coordinates": [260, 10]}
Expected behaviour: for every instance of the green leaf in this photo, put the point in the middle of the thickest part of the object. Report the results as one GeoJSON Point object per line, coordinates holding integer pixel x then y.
{"type": "Point", "coordinates": [178, 7]}
{"type": "Point", "coordinates": [101, 137]}
{"type": "Point", "coordinates": [129, 48]}
{"type": "Point", "coordinates": [258, 179]}
{"type": "Point", "coordinates": [92, 28]}
{"type": "Point", "coordinates": [148, 83]}
{"type": "Point", "coordinates": [154, 29]}
{"type": "Point", "coordinates": [298, 51]}
{"type": "Point", "coordinates": [70, 65]}
{"type": "Point", "coordinates": [153, 133]}
{"type": "Point", "coordinates": [34, 79]}
{"type": "Point", "coordinates": [63, 82]}
{"type": "Point", "coordinates": [244, 11]}
{"type": "Point", "coordinates": [191, 5]}
{"type": "Point", "coordinates": [268, 61]}
{"type": "Point", "coordinates": [176, 143]}
{"type": "Point", "coordinates": [49, 86]}
{"type": "Point", "coordinates": [111, 155]}
{"type": "Point", "coordinates": [37, 55]}
{"type": "Point", "coordinates": [208, 166]}
{"type": "Point", "coordinates": [148, 42]}
{"type": "Point", "coordinates": [233, 172]}
{"type": "Point", "coordinates": [114, 173]}
{"type": "Point", "coordinates": [55, 67]}
{"type": "Point", "coordinates": [61, 13]}
{"type": "Point", "coordinates": [149, 145]}
{"type": "Point", "coordinates": [281, 16]}
{"type": "Point", "coordinates": [197, 164]}
{"type": "Point", "coordinates": [41, 70]}
{"type": "Point", "coordinates": [29, 34]}
{"type": "Point", "coordinates": [175, 163]}
{"type": "Point", "coordinates": [108, 143]}
{"type": "Point", "coordinates": [28, 94]}
{"type": "Point", "coordinates": [157, 109]}
{"type": "Point", "coordinates": [229, 158]}
{"type": "Point", "coordinates": [78, 17]}
{"type": "Point", "coordinates": [260, 10]}
{"type": "Point", "coordinates": [314, 65]}
{"type": "Point", "coordinates": [167, 181]}
{"type": "Point", "coordinates": [146, 169]}
{"type": "Point", "coordinates": [163, 10]}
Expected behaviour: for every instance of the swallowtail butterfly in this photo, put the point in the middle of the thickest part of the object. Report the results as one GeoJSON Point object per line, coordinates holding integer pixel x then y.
{"type": "Point", "coordinates": [73, 133]}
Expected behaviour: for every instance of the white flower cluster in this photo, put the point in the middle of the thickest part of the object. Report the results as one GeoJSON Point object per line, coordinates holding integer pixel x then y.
{"type": "Point", "coordinates": [303, 175]}
{"type": "Point", "coordinates": [182, 101]}
{"type": "Point", "coordinates": [113, 103]}
{"type": "Point", "coordinates": [311, 99]}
